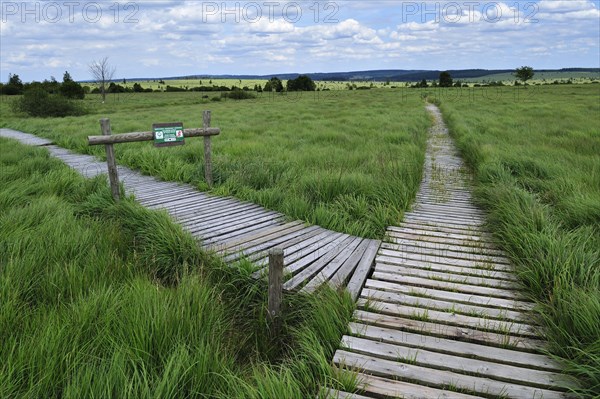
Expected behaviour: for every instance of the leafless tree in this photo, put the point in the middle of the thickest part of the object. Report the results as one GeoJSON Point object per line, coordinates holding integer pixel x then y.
{"type": "Point", "coordinates": [103, 73]}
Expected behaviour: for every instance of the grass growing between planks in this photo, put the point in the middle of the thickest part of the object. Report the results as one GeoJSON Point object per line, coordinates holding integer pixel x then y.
{"type": "Point", "coordinates": [111, 300]}
{"type": "Point", "coordinates": [536, 156]}
{"type": "Point", "coordinates": [350, 161]}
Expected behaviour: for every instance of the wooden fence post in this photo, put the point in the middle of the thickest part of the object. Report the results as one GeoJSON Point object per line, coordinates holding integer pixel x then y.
{"type": "Point", "coordinates": [207, 151]}
{"type": "Point", "coordinates": [275, 289]}
{"type": "Point", "coordinates": [113, 175]}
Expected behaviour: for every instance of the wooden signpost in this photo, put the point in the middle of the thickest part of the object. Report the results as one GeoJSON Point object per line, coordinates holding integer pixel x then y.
{"type": "Point", "coordinates": [163, 134]}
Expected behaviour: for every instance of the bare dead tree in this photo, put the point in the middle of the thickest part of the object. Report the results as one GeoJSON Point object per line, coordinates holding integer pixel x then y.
{"type": "Point", "coordinates": [103, 73]}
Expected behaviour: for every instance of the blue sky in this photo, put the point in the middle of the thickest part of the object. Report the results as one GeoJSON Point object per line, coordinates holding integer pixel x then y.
{"type": "Point", "coordinates": [170, 38]}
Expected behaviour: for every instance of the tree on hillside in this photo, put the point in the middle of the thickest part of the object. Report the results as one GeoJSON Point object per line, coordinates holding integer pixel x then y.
{"type": "Point", "coordinates": [301, 83]}
{"type": "Point", "coordinates": [445, 79]}
{"type": "Point", "coordinates": [103, 73]}
{"type": "Point", "coordinates": [274, 84]}
{"type": "Point", "coordinates": [524, 73]}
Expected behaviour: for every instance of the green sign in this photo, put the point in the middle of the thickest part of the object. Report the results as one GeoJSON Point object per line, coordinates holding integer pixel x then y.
{"type": "Point", "coordinates": [168, 134]}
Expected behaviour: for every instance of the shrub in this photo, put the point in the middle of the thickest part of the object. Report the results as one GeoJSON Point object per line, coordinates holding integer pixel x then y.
{"type": "Point", "coordinates": [238, 95]}
{"type": "Point", "coordinates": [38, 103]}
{"type": "Point", "coordinates": [71, 89]}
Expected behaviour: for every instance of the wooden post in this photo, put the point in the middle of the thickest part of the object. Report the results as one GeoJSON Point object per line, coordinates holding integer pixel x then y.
{"type": "Point", "coordinates": [275, 289]}
{"type": "Point", "coordinates": [207, 155]}
{"type": "Point", "coordinates": [113, 175]}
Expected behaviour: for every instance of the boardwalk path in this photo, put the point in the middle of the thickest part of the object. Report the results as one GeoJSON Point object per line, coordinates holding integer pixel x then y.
{"type": "Point", "coordinates": [442, 312]}
{"type": "Point", "coordinates": [235, 229]}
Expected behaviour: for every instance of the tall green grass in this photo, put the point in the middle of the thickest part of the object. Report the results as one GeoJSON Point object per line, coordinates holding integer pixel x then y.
{"type": "Point", "coordinates": [536, 156]}
{"type": "Point", "coordinates": [99, 300]}
{"type": "Point", "coordinates": [350, 161]}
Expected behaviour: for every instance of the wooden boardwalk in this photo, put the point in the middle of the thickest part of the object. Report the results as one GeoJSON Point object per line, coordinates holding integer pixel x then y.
{"type": "Point", "coordinates": [442, 315]}
{"type": "Point", "coordinates": [234, 229]}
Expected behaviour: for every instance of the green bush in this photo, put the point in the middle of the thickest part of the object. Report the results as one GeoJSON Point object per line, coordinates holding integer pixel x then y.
{"type": "Point", "coordinates": [38, 103]}
{"type": "Point", "coordinates": [238, 95]}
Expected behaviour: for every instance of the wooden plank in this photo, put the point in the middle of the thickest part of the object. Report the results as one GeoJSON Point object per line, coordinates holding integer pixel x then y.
{"type": "Point", "coordinates": [333, 266]}
{"type": "Point", "coordinates": [201, 213]}
{"type": "Point", "coordinates": [310, 271]}
{"type": "Point", "coordinates": [446, 251]}
{"type": "Point", "coordinates": [363, 269]}
{"type": "Point", "coordinates": [228, 219]}
{"type": "Point", "coordinates": [445, 261]}
{"type": "Point", "coordinates": [215, 238]}
{"type": "Point", "coordinates": [378, 283]}
{"type": "Point", "coordinates": [316, 251]}
{"type": "Point", "coordinates": [383, 387]}
{"type": "Point", "coordinates": [485, 248]}
{"type": "Point", "coordinates": [422, 304]}
{"type": "Point", "coordinates": [439, 378]}
{"type": "Point", "coordinates": [261, 236]}
{"type": "Point", "coordinates": [244, 221]}
{"type": "Point", "coordinates": [438, 221]}
{"type": "Point", "coordinates": [544, 366]}
{"type": "Point", "coordinates": [423, 355]}
{"type": "Point", "coordinates": [444, 227]}
{"type": "Point", "coordinates": [491, 292]}
{"type": "Point", "coordinates": [345, 271]}
{"type": "Point", "coordinates": [448, 276]}
{"type": "Point", "coordinates": [440, 267]}
{"type": "Point", "coordinates": [458, 333]}
{"type": "Point", "coordinates": [335, 394]}
{"type": "Point", "coordinates": [253, 251]}
{"type": "Point", "coordinates": [455, 319]}
{"type": "Point", "coordinates": [238, 230]}
{"type": "Point", "coordinates": [443, 232]}
{"type": "Point", "coordinates": [289, 243]}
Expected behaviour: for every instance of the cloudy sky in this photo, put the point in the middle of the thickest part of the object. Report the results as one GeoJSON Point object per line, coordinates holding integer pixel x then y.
{"type": "Point", "coordinates": [166, 38]}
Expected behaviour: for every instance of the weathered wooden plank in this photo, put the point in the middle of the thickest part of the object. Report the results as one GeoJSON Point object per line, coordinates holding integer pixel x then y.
{"type": "Point", "coordinates": [240, 229]}
{"type": "Point", "coordinates": [455, 319]}
{"type": "Point", "coordinates": [439, 221]}
{"type": "Point", "coordinates": [395, 346]}
{"type": "Point", "coordinates": [491, 292]}
{"type": "Point", "coordinates": [315, 252]}
{"type": "Point", "coordinates": [261, 236]}
{"type": "Point", "coordinates": [329, 270]}
{"type": "Point", "coordinates": [543, 366]}
{"type": "Point", "coordinates": [217, 237]}
{"type": "Point", "coordinates": [379, 283]}
{"type": "Point", "coordinates": [238, 216]}
{"type": "Point", "coordinates": [289, 244]}
{"type": "Point", "coordinates": [440, 267]}
{"type": "Point", "coordinates": [310, 271]}
{"type": "Point", "coordinates": [458, 333]}
{"type": "Point", "coordinates": [423, 304]}
{"type": "Point", "coordinates": [439, 378]}
{"type": "Point", "coordinates": [482, 247]}
{"type": "Point", "coordinates": [384, 387]}
{"type": "Point", "coordinates": [362, 270]}
{"type": "Point", "coordinates": [445, 261]}
{"type": "Point", "coordinates": [446, 251]}
{"type": "Point", "coordinates": [245, 220]}
{"type": "Point", "coordinates": [345, 271]}
{"type": "Point", "coordinates": [443, 232]}
{"type": "Point", "coordinates": [448, 276]}
{"type": "Point", "coordinates": [253, 251]}
{"type": "Point", "coordinates": [335, 394]}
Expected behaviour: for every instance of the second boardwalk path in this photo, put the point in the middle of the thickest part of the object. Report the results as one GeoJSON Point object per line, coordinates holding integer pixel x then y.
{"type": "Point", "coordinates": [239, 230]}
{"type": "Point", "coordinates": [443, 315]}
